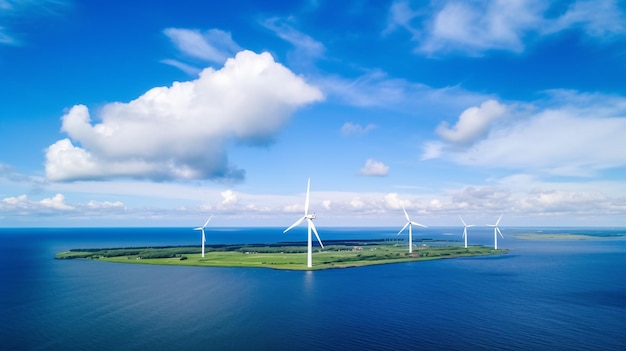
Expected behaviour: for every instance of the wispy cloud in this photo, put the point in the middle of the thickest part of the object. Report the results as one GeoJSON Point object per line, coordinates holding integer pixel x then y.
{"type": "Point", "coordinates": [213, 46]}
{"type": "Point", "coordinates": [350, 128]}
{"type": "Point", "coordinates": [181, 132]}
{"type": "Point", "coordinates": [376, 89]}
{"type": "Point", "coordinates": [597, 18]}
{"type": "Point", "coordinates": [12, 176]}
{"type": "Point", "coordinates": [12, 10]}
{"type": "Point", "coordinates": [478, 26]}
{"type": "Point", "coordinates": [306, 49]}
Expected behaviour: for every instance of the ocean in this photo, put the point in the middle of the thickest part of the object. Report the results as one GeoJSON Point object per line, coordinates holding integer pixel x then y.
{"type": "Point", "coordinates": [542, 295]}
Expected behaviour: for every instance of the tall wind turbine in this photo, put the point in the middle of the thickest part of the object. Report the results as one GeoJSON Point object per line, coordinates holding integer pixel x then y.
{"type": "Point", "coordinates": [410, 224]}
{"type": "Point", "coordinates": [496, 230]}
{"type": "Point", "coordinates": [309, 219]}
{"type": "Point", "coordinates": [465, 226]}
{"type": "Point", "coordinates": [202, 229]}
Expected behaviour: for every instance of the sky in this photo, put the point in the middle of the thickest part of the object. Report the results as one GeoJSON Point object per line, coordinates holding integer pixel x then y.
{"type": "Point", "coordinates": [161, 113]}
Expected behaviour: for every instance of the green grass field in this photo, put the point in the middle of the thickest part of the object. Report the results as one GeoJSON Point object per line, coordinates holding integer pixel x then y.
{"type": "Point", "coordinates": [278, 257]}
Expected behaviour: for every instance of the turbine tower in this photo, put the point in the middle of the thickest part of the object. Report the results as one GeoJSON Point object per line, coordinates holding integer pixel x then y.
{"type": "Point", "coordinates": [496, 230]}
{"type": "Point", "coordinates": [309, 219]}
{"type": "Point", "coordinates": [410, 224]}
{"type": "Point", "coordinates": [465, 226]}
{"type": "Point", "coordinates": [202, 229]}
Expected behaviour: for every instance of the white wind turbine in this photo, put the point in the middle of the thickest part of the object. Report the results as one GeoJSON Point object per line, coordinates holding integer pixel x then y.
{"type": "Point", "coordinates": [309, 219]}
{"type": "Point", "coordinates": [496, 230]}
{"type": "Point", "coordinates": [410, 224]}
{"type": "Point", "coordinates": [465, 226]}
{"type": "Point", "coordinates": [202, 229]}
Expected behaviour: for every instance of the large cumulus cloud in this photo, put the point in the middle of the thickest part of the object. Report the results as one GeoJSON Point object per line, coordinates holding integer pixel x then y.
{"type": "Point", "coordinates": [182, 131]}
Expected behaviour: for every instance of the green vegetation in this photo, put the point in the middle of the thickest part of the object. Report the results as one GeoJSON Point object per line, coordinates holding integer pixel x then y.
{"type": "Point", "coordinates": [280, 256]}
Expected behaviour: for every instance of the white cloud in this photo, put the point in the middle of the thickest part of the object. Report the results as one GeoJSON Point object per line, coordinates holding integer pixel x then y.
{"type": "Point", "coordinates": [15, 201]}
{"type": "Point", "coordinates": [56, 202]}
{"type": "Point", "coordinates": [524, 199]}
{"type": "Point", "coordinates": [496, 24]}
{"type": "Point", "coordinates": [357, 203]}
{"type": "Point", "coordinates": [94, 205]}
{"type": "Point", "coordinates": [326, 204]}
{"type": "Point", "coordinates": [473, 123]}
{"type": "Point", "coordinates": [577, 135]}
{"type": "Point", "coordinates": [478, 26]}
{"type": "Point", "coordinates": [21, 204]}
{"type": "Point", "coordinates": [182, 131]}
{"type": "Point", "coordinates": [393, 201]}
{"type": "Point", "coordinates": [374, 168]}
{"type": "Point", "coordinates": [350, 128]}
{"type": "Point", "coordinates": [213, 45]}
{"type": "Point", "coordinates": [229, 200]}
{"type": "Point", "coordinates": [555, 142]}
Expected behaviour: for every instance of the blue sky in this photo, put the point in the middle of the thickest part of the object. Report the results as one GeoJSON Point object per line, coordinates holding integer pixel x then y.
{"type": "Point", "coordinates": [160, 113]}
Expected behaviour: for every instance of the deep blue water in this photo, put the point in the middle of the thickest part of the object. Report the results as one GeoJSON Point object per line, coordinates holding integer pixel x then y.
{"type": "Point", "coordinates": [542, 295]}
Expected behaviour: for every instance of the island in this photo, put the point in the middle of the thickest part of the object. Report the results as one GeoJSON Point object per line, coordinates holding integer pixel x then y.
{"type": "Point", "coordinates": [285, 255]}
{"type": "Point", "coordinates": [568, 236]}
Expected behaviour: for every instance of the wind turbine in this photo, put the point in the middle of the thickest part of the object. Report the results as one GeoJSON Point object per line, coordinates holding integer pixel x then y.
{"type": "Point", "coordinates": [202, 229]}
{"type": "Point", "coordinates": [410, 224]}
{"type": "Point", "coordinates": [496, 230]}
{"type": "Point", "coordinates": [309, 219]}
{"type": "Point", "coordinates": [465, 226]}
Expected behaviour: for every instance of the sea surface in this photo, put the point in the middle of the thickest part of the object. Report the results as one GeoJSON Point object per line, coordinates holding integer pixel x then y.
{"type": "Point", "coordinates": [541, 295]}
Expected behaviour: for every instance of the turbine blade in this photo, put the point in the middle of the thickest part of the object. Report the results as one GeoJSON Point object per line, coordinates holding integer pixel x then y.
{"type": "Point", "coordinates": [498, 221]}
{"type": "Point", "coordinates": [315, 231]}
{"type": "Point", "coordinates": [419, 225]}
{"type": "Point", "coordinates": [203, 237]}
{"type": "Point", "coordinates": [462, 221]}
{"type": "Point", "coordinates": [403, 228]}
{"type": "Point", "coordinates": [306, 202]}
{"type": "Point", "coordinates": [207, 221]}
{"type": "Point", "coordinates": [295, 224]}
{"type": "Point", "coordinates": [464, 232]}
{"type": "Point", "coordinates": [470, 225]}
{"type": "Point", "coordinates": [498, 229]}
{"type": "Point", "coordinates": [199, 228]}
{"type": "Point", "coordinates": [406, 214]}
